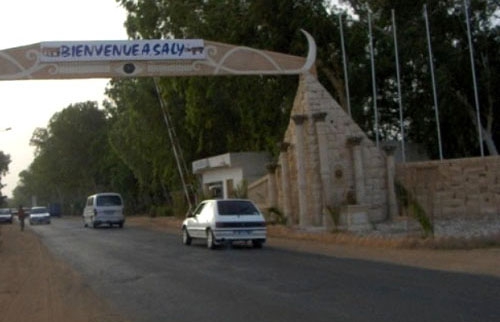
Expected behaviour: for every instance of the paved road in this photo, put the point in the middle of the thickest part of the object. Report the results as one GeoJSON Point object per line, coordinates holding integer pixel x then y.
{"type": "Point", "coordinates": [151, 276]}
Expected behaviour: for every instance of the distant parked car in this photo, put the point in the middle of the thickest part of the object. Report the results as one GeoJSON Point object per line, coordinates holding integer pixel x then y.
{"type": "Point", "coordinates": [6, 215]}
{"type": "Point", "coordinates": [39, 215]}
{"type": "Point", "coordinates": [104, 209]}
{"type": "Point", "coordinates": [225, 220]}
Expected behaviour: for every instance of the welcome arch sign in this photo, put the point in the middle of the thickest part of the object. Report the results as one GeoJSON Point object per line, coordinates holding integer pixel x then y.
{"type": "Point", "coordinates": [147, 58]}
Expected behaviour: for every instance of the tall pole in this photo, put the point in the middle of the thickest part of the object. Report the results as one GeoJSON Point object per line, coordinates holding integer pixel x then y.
{"type": "Point", "coordinates": [344, 58]}
{"type": "Point", "coordinates": [175, 147]}
{"type": "Point", "coordinates": [474, 82]}
{"type": "Point", "coordinates": [374, 85]}
{"type": "Point", "coordinates": [400, 97]}
{"type": "Point", "coordinates": [434, 92]}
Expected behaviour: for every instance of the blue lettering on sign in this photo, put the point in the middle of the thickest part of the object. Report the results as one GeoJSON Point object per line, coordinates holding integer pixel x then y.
{"type": "Point", "coordinates": [147, 49]}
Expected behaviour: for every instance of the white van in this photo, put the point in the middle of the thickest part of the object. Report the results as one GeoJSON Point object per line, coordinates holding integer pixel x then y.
{"type": "Point", "coordinates": [104, 208]}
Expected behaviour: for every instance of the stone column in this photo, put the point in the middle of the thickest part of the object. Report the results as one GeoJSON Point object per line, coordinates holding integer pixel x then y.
{"type": "Point", "coordinates": [359, 178]}
{"type": "Point", "coordinates": [301, 171]}
{"type": "Point", "coordinates": [319, 122]}
{"type": "Point", "coordinates": [271, 184]}
{"type": "Point", "coordinates": [391, 174]}
{"type": "Point", "coordinates": [285, 181]}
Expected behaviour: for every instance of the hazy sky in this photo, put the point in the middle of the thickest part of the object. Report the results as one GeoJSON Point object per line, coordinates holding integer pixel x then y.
{"type": "Point", "coordinates": [26, 105]}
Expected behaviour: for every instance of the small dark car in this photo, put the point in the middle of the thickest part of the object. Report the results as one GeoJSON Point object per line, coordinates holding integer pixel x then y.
{"type": "Point", "coordinates": [6, 215]}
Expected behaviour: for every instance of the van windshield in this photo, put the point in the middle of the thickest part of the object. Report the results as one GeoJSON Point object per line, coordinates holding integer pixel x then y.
{"type": "Point", "coordinates": [108, 201]}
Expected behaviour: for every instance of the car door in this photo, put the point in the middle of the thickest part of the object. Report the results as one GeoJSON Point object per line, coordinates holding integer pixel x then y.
{"type": "Point", "coordinates": [194, 224]}
{"type": "Point", "coordinates": [88, 211]}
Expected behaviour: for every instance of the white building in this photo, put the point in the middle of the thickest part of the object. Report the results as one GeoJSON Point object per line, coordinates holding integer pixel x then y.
{"type": "Point", "coordinates": [222, 176]}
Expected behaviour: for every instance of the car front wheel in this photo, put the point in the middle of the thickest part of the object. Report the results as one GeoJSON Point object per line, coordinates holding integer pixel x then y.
{"type": "Point", "coordinates": [186, 239]}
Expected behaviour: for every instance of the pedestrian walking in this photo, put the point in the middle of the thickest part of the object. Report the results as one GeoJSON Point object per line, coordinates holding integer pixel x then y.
{"type": "Point", "coordinates": [21, 215]}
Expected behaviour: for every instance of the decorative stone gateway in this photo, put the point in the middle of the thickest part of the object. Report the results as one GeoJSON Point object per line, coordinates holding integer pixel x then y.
{"type": "Point", "coordinates": [330, 164]}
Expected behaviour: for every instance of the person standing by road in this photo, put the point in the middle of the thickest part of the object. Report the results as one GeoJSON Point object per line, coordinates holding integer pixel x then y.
{"type": "Point", "coordinates": [21, 215]}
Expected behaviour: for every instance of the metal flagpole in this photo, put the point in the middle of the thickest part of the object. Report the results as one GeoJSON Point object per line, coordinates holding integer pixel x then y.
{"type": "Point", "coordinates": [346, 76]}
{"type": "Point", "coordinates": [373, 78]}
{"type": "Point", "coordinates": [400, 97]}
{"type": "Point", "coordinates": [473, 68]}
{"type": "Point", "coordinates": [434, 92]}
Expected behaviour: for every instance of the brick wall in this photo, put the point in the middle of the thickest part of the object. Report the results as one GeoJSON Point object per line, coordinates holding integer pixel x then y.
{"type": "Point", "coordinates": [459, 188]}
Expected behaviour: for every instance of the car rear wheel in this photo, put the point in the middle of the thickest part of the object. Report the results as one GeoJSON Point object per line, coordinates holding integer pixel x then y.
{"type": "Point", "coordinates": [186, 239]}
{"type": "Point", "coordinates": [210, 239]}
{"type": "Point", "coordinates": [257, 244]}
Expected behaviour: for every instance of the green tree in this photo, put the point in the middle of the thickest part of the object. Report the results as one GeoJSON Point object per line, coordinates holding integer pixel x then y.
{"type": "Point", "coordinates": [217, 115]}
{"type": "Point", "coordinates": [209, 115]}
{"type": "Point", "coordinates": [72, 158]}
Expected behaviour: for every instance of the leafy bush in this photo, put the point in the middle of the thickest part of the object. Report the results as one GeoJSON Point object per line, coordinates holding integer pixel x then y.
{"type": "Point", "coordinates": [277, 217]}
{"type": "Point", "coordinates": [408, 201]}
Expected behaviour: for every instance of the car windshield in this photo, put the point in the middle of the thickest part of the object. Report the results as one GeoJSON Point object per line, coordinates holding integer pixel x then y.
{"type": "Point", "coordinates": [4, 211]}
{"type": "Point", "coordinates": [236, 207]}
{"type": "Point", "coordinates": [109, 201]}
{"type": "Point", "coordinates": [40, 210]}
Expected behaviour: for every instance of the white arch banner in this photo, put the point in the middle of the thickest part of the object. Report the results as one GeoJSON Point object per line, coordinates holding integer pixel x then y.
{"type": "Point", "coordinates": [147, 58]}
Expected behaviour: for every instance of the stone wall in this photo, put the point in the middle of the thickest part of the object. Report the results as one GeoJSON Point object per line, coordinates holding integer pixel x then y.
{"type": "Point", "coordinates": [454, 189]}
{"type": "Point", "coordinates": [257, 192]}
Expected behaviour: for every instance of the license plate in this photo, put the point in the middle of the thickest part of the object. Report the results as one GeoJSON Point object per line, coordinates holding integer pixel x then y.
{"type": "Point", "coordinates": [241, 232]}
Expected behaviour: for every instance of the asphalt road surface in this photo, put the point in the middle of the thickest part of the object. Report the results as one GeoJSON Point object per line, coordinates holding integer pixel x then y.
{"type": "Point", "coordinates": [150, 276]}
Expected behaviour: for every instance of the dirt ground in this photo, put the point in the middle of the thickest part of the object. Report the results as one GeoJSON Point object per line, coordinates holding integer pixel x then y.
{"type": "Point", "coordinates": [37, 287]}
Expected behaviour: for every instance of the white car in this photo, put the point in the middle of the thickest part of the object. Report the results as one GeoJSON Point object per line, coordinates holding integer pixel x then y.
{"type": "Point", "coordinates": [39, 215]}
{"type": "Point", "coordinates": [225, 220]}
{"type": "Point", "coordinates": [6, 215]}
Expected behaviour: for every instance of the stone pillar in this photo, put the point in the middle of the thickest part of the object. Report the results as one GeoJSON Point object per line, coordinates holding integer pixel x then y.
{"type": "Point", "coordinates": [271, 184]}
{"type": "Point", "coordinates": [391, 174]}
{"type": "Point", "coordinates": [285, 181]}
{"type": "Point", "coordinates": [354, 142]}
{"type": "Point", "coordinates": [301, 170]}
{"type": "Point", "coordinates": [319, 122]}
